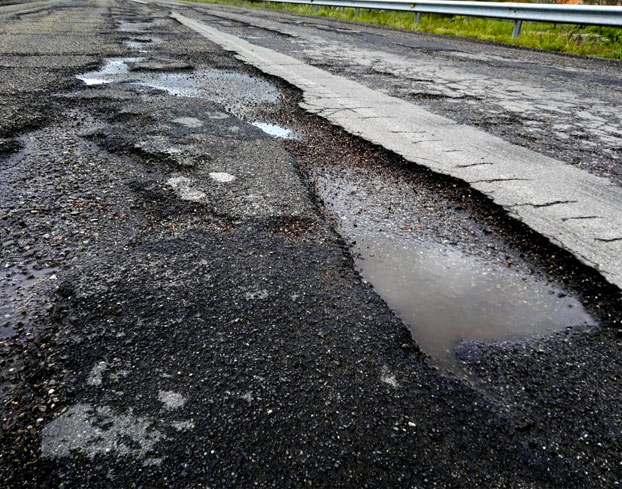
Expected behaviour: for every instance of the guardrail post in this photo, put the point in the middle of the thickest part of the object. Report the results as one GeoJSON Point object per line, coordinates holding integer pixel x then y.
{"type": "Point", "coordinates": [316, 8]}
{"type": "Point", "coordinates": [417, 18]}
{"type": "Point", "coordinates": [357, 11]}
{"type": "Point", "coordinates": [518, 25]}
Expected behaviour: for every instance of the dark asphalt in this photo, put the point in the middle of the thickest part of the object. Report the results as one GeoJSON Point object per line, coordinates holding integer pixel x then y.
{"type": "Point", "coordinates": [168, 326]}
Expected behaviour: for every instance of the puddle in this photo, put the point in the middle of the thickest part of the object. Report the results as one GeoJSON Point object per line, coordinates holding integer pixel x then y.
{"type": "Point", "coordinates": [222, 177]}
{"type": "Point", "coordinates": [440, 287]}
{"type": "Point", "coordinates": [273, 130]}
{"type": "Point", "coordinates": [136, 46]}
{"type": "Point", "coordinates": [183, 187]}
{"type": "Point", "coordinates": [190, 122]}
{"type": "Point", "coordinates": [447, 296]}
{"type": "Point", "coordinates": [238, 93]}
{"type": "Point", "coordinates": [114, 69]}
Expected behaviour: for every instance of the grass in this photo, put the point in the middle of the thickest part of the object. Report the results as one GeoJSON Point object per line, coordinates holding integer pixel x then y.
{"type": "Point", "coordinates": [603, 42]}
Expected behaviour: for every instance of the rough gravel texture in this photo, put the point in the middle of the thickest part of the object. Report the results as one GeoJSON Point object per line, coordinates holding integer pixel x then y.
{"type": "Point", "coordinates": [182, 330]}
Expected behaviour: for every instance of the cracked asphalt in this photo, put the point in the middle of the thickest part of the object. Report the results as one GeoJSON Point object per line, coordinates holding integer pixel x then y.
{"type": "Point", "coordinates": [566, 107]}
{"type": "Point", "coordinates": [573, 208]}
{"type": "Point", "coordinates": [181, 308]}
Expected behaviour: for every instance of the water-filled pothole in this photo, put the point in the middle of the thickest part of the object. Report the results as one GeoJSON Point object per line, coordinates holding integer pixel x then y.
{"type": "Point", "coordinates": [448, 296]}
{"type": "Point", "coordinates": [274, 130]}
{"type": "Point", "coordinates": [133, 27]}
{"type": "Point", "coordinates": [142, 44]}
{"type": "Point", "coordinates": [442, 274]}
{"type": "Point", "coordinates": [113, 69]}
{"type": "Point", "coordinates": [238, 93]}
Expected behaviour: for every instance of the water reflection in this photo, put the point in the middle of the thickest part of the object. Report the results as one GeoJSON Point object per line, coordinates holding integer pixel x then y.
{"type": "Point", "coordinates": [273, 130]}
{"type": "Point", "coordinates": [238, 93]}
{"type": "Point", "coordinates": [447, 296]}
{"type": "Point", "coordinates": [430, 273]}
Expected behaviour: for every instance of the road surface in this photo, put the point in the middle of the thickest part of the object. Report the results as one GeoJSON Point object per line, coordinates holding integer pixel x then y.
{"type": "Point", "coordinates": [186, 300]}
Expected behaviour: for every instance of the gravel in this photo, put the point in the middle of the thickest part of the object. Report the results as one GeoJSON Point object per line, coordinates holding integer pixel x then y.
{"type": "Point", "coordinates": [227, 340]}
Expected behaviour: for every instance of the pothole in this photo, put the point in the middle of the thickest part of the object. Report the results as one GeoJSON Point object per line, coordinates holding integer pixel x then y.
{"type": "Point", "coordinates": [238, 93]}
{"type": "Point", "coordinates": [222, 177]}
{"type": "Point", "coordinates": [133, 27]}
{"type": "Point", "coordinates": [190, 122]}
{"type": "Point", "coordinates": [142, 44]}
{"type": "Point", "coordinates": [160, 65]}
{"type": "Point", "coordinates": [113, 69]}
{"type": "Point", "coordinates": [448, 277]}
{"type": "Point", "coordinates": [184, 188]}
{"type": "Point", "coordinates": [274, 130]}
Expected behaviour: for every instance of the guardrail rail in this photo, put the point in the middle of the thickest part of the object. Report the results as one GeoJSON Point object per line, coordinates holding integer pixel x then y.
{"type": "Point", "coordinates": [599, 15]}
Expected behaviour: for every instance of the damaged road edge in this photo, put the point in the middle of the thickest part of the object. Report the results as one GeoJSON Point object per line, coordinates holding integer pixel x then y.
{"type": "Point", "coordinates": [519, 175]}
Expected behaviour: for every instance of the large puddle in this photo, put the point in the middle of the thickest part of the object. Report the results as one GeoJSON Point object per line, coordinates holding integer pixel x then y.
{"type": "Point", "coordinates": [447, 296]}
{"type": "Point", "coordinates": [440, 285]}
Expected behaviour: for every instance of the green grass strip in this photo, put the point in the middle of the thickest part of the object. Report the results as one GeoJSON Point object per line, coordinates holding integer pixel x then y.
{"type": "Point", "coordinates": [604, 42]}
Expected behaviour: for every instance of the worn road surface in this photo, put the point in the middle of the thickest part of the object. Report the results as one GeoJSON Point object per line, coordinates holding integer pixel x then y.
{"type": "Point", "coordinates": [196, 202]}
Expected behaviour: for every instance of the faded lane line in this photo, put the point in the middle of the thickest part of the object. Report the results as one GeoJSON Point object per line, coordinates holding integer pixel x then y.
{"type": "Point", "coordinates": [518, 176]}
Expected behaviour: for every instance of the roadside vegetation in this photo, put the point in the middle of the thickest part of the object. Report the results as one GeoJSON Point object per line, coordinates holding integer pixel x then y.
{"type": "Point", "coordinates": [604, 42]}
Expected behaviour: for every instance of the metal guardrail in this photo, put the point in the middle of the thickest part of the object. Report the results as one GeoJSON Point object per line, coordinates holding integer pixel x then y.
{"type": "Point", "coordinates": [517, 12]}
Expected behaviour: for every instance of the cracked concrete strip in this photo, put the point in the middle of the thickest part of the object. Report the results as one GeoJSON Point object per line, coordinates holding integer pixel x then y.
{"type": "Point", "coordinates": [21, 9]}
{"type": "Point", "coordinates": [518, 175]}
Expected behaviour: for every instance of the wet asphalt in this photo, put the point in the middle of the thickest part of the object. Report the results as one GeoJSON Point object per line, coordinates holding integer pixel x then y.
{"type": "Point", "coordinates": [566, 107]}
{"type": "Point", "coordinates": [182, 308]}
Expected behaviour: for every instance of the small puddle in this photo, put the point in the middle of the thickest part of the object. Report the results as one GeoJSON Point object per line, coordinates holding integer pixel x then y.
{"type": "Point", "coordinates": [133, 27]}
{"type": "Point", "coordinates": [136, 46]}
{"type": "Point", "coordinates": [113, 69]}
{"type": "Point", "coordinates": [436, 283]}
{"type": "Point", "coordinates": [273, 130]}
{"type": "Point", "coordinates": [233, 90]}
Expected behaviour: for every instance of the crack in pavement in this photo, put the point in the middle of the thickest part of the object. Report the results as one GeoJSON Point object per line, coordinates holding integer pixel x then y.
{"type": "Point", "coordinates": [494, 180]}
{"type": "Point", "coordinates": [474, 164]}
{"type": "Point", "coordinates": [608, 240]}
{"type": "Point", "coordinates": [580, 217]}
{"type": "Point", "coordinates": [546, 204]}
